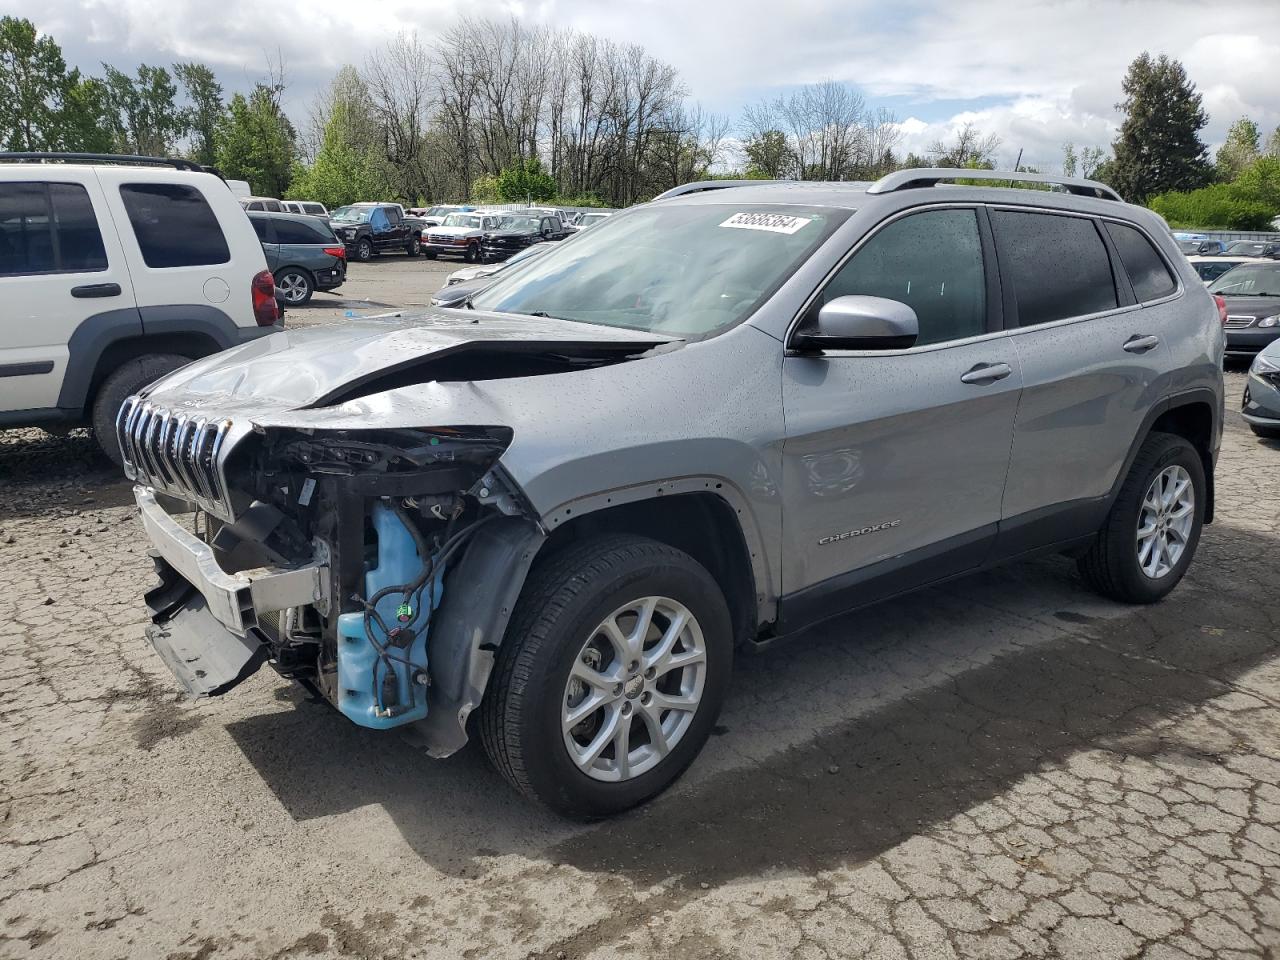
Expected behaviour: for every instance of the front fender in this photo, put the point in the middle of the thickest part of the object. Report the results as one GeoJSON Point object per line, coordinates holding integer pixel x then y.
{"type": "Point", "coordinates": [480, 594]}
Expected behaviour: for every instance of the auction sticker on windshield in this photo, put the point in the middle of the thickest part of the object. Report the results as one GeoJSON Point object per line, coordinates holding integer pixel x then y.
{"type": "Point", "coordinates": [773, 222]}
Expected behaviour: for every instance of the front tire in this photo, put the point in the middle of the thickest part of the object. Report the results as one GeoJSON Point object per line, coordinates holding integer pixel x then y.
{"type": "Point", "coordinates": [473, 253]}
{"type": "Point", "coordinates": [1266, 433]}
{"type": "Point", "coordinates": [364, 250]}
{"type": "Point", "coordinates": [1152, 531]}
{"type": "Point", "coordinates": [124, 381]}
{"type": "Point", "coordinates": [612, 673]}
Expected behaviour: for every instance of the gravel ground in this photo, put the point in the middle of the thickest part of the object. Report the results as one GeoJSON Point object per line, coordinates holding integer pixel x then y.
{"type": "Point", "coordinates": [1005, 766]}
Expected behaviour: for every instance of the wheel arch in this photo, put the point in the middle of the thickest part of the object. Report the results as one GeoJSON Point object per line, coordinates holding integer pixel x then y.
{"type": "Point", "coordinates": [1194, 418]}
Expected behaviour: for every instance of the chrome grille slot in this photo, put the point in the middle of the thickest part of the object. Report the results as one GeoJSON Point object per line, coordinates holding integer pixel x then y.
{"type": "Point", "coordinates": [1235, 322]}
{"type": "Point", "coordinates": [175, 453]}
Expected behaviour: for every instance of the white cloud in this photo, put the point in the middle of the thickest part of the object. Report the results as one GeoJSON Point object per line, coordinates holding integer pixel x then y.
{"type": "Point", "coordinates": [1046, 71]}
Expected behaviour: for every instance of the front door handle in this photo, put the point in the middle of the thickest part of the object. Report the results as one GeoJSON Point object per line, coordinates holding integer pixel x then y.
{"type": "Point", "coordinates": [986, 373]}
{"type": "Point", "coordinates": [1140, 344]}
{"type": "Point", "coordinates": [91, 290]}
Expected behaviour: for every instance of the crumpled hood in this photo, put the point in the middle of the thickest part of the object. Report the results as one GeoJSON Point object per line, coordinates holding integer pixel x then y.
{"type": "Point", "coordinates": [299, 368]}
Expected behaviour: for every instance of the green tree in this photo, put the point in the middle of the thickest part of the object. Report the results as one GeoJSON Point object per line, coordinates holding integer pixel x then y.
{"type": "Point", "coordinates": [257, 143]}
{"type": "Point", "coordinates": [32, 79]}
{"type": "Point", "coordinates": [1158, 148]}
{"type": "Point", "coordinates": [1242, 147]}
{"type": "Point", "coordinates": [1250, 202]}
{"type": "Point", "coordinates": [484, 189]}
{"type": "Point", "coordinates": [1273, 144]}
{"type": "Point", "coordinates": [526, 181]}
{"type": "Point", "coordinates": [342, 172]}
{"type": "Point", "coordinates": [84, 120]}
{"type": "Point", "coordinates": [769, 156]}
{"type": "Point", "coordinates": [205, 111]}
{"type": "Point", "coordinates": [147, 120]}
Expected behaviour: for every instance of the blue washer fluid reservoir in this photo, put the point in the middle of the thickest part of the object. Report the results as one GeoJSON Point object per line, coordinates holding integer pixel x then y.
{"type": "Point", "coordinates": [362, 673]}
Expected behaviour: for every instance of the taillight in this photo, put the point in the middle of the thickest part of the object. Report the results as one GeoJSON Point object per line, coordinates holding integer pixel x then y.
{"type": "Point", "coordinates": [1222, 309]}
{"type": "Point", "coordinates": [339, 252]}
{"type": "Point", "coordinates": [265, 310]}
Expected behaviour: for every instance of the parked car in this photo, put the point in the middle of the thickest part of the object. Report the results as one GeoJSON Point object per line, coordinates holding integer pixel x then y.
{"type": "Point", "coordinates": [720, 416]}
{"type": "Point", "coordinates": [1211, 268]}
{"type": "Point", "coordinates": [434, 216]}
{"type": "Point", "coordinates": [459, 234]}
{"type": "Point", "coordinates": [115, 271]}
{"type": "Point", "coordinates": [307, 207]}
{"type": "Point", "coordinates": [1205, 248]}
{"type": "Point", "coordinates": [367, 229]}
{"type": "Point", "coordinates": [1251, 299]}
{"type": "Point", "coordinates": [518, 231]}
{"type": "Point", "coordinates": [590, 219]}
{"type": "Point", "coordinates": [465, 283]}
{"type": "Point", "coordinates": [302, 254]}
{"type": "Point", "coordinates": [1254, 248]}
{"type": "Point", "coordinates": [270, 204]}
{"type": "Point", "coordinates": [1261, 405]}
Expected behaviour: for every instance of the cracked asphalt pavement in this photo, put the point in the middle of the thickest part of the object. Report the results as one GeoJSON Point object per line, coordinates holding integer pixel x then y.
{"type": "Point", "coordinates": [1004, 766]}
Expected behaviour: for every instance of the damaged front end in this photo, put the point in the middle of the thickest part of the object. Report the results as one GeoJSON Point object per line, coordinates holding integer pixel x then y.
{"type": "Point", "coordinates": [378, 567]}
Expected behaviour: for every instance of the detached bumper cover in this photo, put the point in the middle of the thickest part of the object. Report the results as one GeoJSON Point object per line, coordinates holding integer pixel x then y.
{"type": "Point", "coordinates": [234, 599]}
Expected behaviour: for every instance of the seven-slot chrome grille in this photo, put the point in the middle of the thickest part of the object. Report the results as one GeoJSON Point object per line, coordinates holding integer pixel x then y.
{"type": "Point", "coordinates": [176, 453]}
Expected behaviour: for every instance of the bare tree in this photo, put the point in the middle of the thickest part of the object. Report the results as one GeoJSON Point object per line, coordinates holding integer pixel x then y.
{"type": "Point", "coordinates": [967, 148]}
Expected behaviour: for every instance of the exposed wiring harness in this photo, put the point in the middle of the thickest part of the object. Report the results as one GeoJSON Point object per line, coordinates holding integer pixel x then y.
{"type": "Point", "coordinates": [434, 561]}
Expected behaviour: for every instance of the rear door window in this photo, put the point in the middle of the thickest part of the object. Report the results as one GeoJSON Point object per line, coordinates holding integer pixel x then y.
{"type": "Point", "coordinates": [174, 225]}
{"type": "Point", "coordinates": [48, 228]}
{"type": "Point", "coordinates": [261, 229]}
{"type": "Point", "coordinates": [296, 231]}
{"type": "Point", "coordinates": [1147, 271]}
{"type": "Point", "coordinates": [1057, 265]}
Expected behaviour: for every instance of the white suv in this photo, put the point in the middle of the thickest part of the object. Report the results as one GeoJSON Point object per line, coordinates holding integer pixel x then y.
{"type": "Point", "coordinates": [113, 272]}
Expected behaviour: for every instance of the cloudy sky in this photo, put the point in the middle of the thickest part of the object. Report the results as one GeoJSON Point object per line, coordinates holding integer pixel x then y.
{"type": "Point", "coordinates": [1036, 72]}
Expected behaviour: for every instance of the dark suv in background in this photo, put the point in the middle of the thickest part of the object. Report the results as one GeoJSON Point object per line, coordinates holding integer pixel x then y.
{"type": "Point", "coordinates": [302, 254]}
{"type": "Point", "coordinates": [518, 231]}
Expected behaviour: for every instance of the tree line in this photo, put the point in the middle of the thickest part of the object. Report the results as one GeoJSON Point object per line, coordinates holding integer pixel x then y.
{"type": "Point", "coordinates": [501, 110]}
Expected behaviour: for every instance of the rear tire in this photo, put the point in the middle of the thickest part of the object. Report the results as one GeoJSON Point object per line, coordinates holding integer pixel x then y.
{"type": "Point", "coordinates": [414, 248]}
{"type": "Point", "coordinates": [1114, 565]}
{"type": "Point", "coordinates": [295, 285]}
{"type": "Point", "coordinates": [558, 627]}
{"type": "Point", "coordinates": [124, 381]}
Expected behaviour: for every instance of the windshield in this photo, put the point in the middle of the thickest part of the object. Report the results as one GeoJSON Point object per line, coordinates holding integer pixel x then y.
{"type": "Point", "coordinates": [518, 223]}
{"type": "Point", "coordinates": [1249, 280]}
{"type": "Point", "coordinates": [461, 220]}
{"type": "Point", "coordinates": [687, 270]}
{"type": "Point", "coordinates": [352, 214]}
{"type": "Point", "coordinates": [593, 218]}
{"type": "Point", "coordinates": [1189, 246]}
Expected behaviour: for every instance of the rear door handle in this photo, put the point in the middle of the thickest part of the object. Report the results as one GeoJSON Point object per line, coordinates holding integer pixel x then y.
{"type": "Point", "coordinates": [1140, 344]}
{"type": "Point", "coordinates": [986, 373]}
{"type": "Point", "coordinates": [91, 290]}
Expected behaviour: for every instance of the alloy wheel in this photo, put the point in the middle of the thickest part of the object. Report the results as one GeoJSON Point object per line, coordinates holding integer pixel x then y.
{"type": "Point", "coordinates": [1165, 521]}
{"type": "Point", "coordinates": [633, 689]}
{"type": "Point", "coordinates": [293, 286]}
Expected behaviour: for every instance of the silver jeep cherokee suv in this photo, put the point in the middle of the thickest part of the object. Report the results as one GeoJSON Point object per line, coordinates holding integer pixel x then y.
{"type": "Point", "coordinates": [714, 418]}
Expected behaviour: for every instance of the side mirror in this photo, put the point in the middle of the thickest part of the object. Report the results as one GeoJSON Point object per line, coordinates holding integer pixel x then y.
{"type": "Point", "coordinates": [859, 323]}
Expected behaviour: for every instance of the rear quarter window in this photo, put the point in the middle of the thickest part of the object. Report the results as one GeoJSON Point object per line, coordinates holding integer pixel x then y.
{"type": "Point", "coordinates": [48, 228]}
{"type": "Point", "coordinates": [1147, 271]}
{"type": "Point", "coordinates": [174, 225]}
{"type": "Point", "coordinates": [1058, 265]}
{"type": "Point", "coordinates": [295, 231]}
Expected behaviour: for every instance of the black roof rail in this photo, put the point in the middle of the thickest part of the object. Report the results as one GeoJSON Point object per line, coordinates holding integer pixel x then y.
{"type": "Point", "coordinates": [931, 176]}
{"type": "Point", "coordinates": [178, 163]}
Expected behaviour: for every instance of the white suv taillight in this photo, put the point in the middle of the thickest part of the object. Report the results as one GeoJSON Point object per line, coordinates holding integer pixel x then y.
{"type": "Point", "coordinates": [265, 309]}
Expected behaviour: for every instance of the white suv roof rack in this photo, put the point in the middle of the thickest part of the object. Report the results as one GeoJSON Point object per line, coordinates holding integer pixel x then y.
{"type": "Point", "coordinates": [931, 176]}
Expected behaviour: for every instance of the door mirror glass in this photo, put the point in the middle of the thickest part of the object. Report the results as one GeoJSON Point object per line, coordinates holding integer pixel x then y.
{"type": "Point", "coordinates": [860, 323]}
